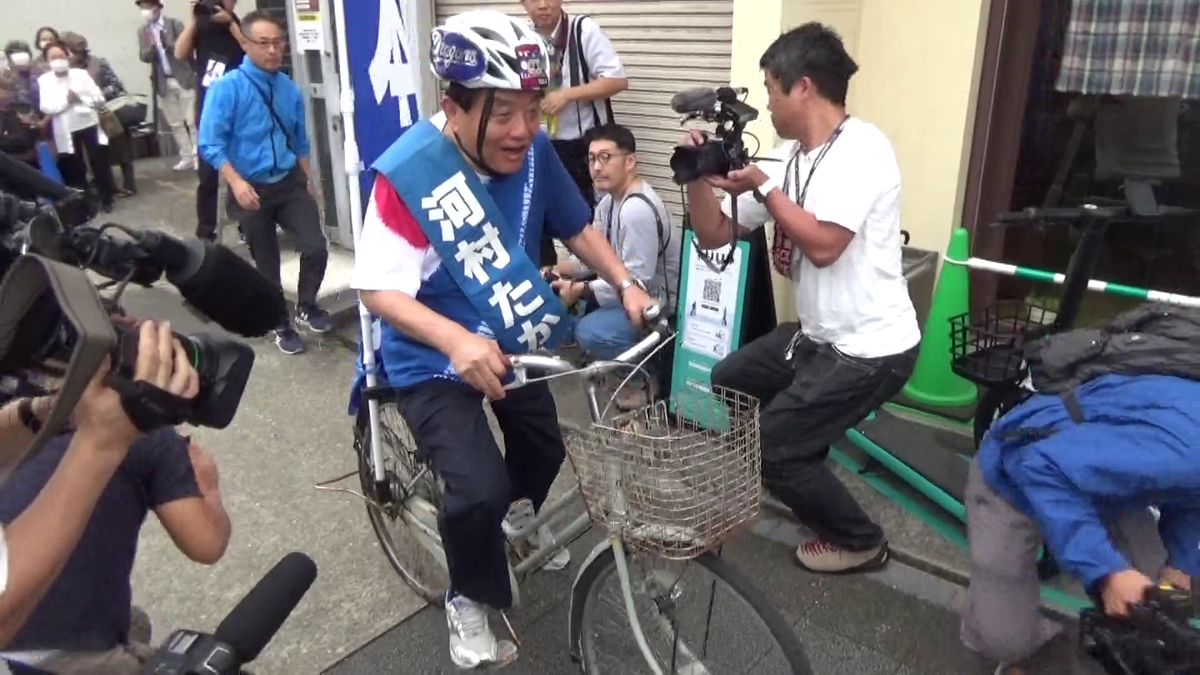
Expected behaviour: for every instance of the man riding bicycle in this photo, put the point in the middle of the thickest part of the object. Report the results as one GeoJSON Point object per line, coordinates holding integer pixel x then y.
{"type": "Point", "coordinates": [446, 257]}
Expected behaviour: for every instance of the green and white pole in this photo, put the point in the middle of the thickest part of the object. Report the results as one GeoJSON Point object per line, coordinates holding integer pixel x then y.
{"type": "Point", "coordinates": [1093, 284]}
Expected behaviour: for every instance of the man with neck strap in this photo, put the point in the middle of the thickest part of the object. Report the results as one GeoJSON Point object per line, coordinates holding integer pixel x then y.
{"type": "Point", "coordinates": [833, 192]}
{"type": "Point", "coordinates": [446, 258]}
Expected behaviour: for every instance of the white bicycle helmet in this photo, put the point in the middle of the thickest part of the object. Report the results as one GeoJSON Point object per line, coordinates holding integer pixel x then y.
{"type": "Point", "coordinates": [487, 49]}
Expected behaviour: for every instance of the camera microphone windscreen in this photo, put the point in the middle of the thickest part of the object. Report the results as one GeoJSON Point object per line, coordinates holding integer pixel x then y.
{"type": "Point", "coordinates": [699, 99]}
{"type": "Point", "coordinates": [219, 284]}
{"type": "Point", "coordinates": [251, 625]}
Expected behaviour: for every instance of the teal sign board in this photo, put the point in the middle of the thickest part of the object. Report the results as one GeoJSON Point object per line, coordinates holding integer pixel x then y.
{"type": "Point", "coordinates": [710, 328]}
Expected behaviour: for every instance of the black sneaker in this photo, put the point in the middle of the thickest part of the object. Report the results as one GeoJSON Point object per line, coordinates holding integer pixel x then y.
{"type": "Point", "coordinates": [288, 341]}
{"type": "Point", "coordinates": [314, 319]}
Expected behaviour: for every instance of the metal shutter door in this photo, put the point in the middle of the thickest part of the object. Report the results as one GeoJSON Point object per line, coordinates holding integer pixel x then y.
{"type": "Point", "coordinates": [665, 46]}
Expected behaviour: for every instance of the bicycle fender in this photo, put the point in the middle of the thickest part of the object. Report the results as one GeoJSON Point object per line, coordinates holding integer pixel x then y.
{"type": "Point", "coordinates": [573, 628]}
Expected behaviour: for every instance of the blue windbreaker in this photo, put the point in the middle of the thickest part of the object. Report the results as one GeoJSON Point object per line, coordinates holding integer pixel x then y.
{"type": "Point", "coordinates": [1139, 446]}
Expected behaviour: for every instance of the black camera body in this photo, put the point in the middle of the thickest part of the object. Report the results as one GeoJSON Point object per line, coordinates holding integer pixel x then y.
{"type": "Point", "coordinates": [206, 7]}
{"type": "Point", "coordinates": [189, 652]}
{"type": "Point", "coordinates": [725, 151]}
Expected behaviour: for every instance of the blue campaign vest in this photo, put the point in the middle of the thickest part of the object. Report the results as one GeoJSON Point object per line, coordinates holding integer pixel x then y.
{"type": "Point", "coordinates": [487, 281]}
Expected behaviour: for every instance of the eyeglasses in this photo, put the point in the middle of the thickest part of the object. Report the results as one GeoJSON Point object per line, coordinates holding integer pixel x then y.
{"type": "Point", "coordinates": [603, 158]}
{"type": "Point", "coordinates": [270, 44]}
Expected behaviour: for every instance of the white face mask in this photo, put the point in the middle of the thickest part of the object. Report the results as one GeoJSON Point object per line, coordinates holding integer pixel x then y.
{"type": "Point", "coordinates": [19, 59]}
{"type": "Point", "coordinates": [43, 43]}
{"type": "Point", "coordinates": [60, 66]}
{"type": "Point", "coordinates": [148, 14]}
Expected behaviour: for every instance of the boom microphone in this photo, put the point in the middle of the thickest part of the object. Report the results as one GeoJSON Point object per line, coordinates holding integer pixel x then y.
{"type": "Point", "coordinates": [256, 619]}
{"type": "Point", "coordinates": [699, 99]}
{"type": "Point", "coordinates": [218, 283]}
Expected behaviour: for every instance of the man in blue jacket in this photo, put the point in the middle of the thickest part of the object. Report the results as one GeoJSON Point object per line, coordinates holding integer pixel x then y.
{"type": "Point", "coordinates": [1039, 471]}
{"type": "Point", "coordinates": [252, 129]}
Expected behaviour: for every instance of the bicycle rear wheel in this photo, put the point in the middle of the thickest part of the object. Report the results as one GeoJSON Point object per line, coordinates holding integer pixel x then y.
{"type": "Point", "coordinates": [415, 555]}
{"type": "Point", "coordinates": [701, 616]}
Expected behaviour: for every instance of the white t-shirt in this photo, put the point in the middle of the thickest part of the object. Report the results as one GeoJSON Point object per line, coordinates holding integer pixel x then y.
{"type": "Point", "coordinates": [384, 259]}
{"type": "Point", "coordinates": [860, 303]}
{"type": "Point", "coordinates": [577, 118]}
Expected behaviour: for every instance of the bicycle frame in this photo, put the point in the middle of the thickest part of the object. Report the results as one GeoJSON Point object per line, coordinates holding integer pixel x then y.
{"type": "Point", "coordinates": [420, 516]}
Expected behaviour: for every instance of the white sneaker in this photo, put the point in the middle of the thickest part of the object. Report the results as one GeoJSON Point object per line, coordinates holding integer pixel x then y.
{"type": "Point", "coordinates": [520, 515]}
{"type": "Point", "coordinates": [185, 164]}
{"type": "Point", "coordinates": [472, 643]}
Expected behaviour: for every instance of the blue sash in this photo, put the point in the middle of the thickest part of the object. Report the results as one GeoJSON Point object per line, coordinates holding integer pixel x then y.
{"type": "Point", "coordinates": [482, 251]}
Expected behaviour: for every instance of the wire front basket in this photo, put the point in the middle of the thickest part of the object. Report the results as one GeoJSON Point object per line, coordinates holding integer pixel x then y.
{"type": "Point", "coordinates": [673, 481]}
{"type": "Point", "coordinates": [988, 346]}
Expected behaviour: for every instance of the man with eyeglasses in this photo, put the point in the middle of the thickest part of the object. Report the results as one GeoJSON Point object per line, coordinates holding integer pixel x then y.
{"type": "Point", "coordinates": [636, 223]}
{"type": "Point", "coordinates": [253, 131]}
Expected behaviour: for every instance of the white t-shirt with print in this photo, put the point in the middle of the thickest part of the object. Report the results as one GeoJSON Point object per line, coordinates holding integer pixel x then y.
{"type": "Point", "coordinates": [860, 303]}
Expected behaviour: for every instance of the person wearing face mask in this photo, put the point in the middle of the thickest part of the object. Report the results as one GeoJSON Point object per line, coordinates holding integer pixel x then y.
{"type": "Point", "coordinates": [119, 150]}
{"type": "Point", "coordinates": [44, 37]}
{"type": "Point", "coordinates": [20, 126]}
{"type": "Point", "coordinates": [173, 79]}
{"type": "Point", "coordinates": [71, 97]}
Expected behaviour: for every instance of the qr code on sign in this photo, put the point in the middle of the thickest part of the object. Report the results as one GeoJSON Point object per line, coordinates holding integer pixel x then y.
{"type": "Point", "coordinates": [712, 290]}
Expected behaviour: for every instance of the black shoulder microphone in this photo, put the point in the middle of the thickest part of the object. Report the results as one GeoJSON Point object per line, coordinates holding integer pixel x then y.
{"type": "Point", "coordinates": [700, 99]}
{"type": "Point", "coordinates": [243, 632]}
{"type": "Point", "coordinates": [218, 283]}
{"type": "Point", "coordinates": [251, 625]}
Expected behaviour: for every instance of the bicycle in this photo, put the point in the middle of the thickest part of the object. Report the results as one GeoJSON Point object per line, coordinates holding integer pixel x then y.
{"type": "Point", "coordinates": [668, 497]}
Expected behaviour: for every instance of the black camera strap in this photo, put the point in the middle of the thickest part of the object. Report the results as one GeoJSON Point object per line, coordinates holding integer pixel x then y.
{"type": "Point", "coordinates": [794, 164]}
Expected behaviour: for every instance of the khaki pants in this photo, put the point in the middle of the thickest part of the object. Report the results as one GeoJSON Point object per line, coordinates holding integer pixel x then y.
{"type": "Point", "coordinates": [122, 660]}
{"type": "Point", "coordinates": [179, 106]}
{"type": "Point", "coordinates": [1001, 619]}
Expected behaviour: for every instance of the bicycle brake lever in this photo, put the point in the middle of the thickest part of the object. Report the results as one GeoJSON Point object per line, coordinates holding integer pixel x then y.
{"type": "Point", "coordinates": [520, 375]}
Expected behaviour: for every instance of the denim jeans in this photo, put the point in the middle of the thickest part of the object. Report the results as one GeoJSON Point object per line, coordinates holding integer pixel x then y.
{"type": "Point", "coordinates": [605, 332]}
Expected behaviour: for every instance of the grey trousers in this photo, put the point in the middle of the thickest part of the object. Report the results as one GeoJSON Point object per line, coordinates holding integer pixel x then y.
{"type": "Point", "coordinates": [1001, 620]}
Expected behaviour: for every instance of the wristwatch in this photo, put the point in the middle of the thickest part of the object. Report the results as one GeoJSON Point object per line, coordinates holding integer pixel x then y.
{"type": "Point", "coordinates": [628, 283]}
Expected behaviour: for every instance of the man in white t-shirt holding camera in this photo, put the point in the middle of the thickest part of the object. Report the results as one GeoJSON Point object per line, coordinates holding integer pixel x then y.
{"type": "Point", "coordinates": [833, 192]}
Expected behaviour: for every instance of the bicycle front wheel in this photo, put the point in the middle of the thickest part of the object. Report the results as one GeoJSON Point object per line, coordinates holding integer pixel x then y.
{"type": "Point", "coordinates": [701, 616]}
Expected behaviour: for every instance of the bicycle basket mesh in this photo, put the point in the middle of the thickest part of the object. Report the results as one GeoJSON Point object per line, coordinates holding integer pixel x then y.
{"type": "Point", "coordinates": [987, 346]}
{"type": "Point", "coordinates": [673, 490]}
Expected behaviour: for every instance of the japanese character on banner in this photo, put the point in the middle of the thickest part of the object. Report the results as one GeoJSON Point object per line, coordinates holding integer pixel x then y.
{"type": "Point", "coordinates": [508, 299]}
{"type": "Point", "coordinates": [474, 254]}
{"type": "Point", "coordinates": [453, 205]}
{"type": "Point", "coordinates": [534, 335]}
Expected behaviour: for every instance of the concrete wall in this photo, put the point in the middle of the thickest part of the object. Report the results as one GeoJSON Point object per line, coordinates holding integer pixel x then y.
{"type": "Point", "coordinates": [110, 27]}
{"type": "Point", "coordinates": [917, 81]}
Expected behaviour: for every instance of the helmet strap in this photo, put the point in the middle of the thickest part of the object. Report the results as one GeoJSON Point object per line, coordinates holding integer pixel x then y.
{"type": "Point", "coordinates": [489, 102]}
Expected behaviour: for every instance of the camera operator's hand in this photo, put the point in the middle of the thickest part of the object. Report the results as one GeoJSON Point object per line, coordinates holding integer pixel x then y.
{"type": "Point", "coordinates": [245, 194]}
{"type": "Point", "coordinates": [740, 180]}
{"type": "Point", "coordinates": [1122, 589]}
{"type": "Point", "coordinates": [694, 138]}
{"type": "Point", "coordinates": [481, 363]}
{"type": "Point", "coordinates": [161, 361]}
{"type": "Point", "coordinates": [221, 15]}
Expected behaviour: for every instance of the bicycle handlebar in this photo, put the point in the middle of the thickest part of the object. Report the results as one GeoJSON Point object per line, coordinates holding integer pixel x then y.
{"type": "Point", "coordinates": [557, 365]}
{"type": "Point", "coordinates": [1096, 212]}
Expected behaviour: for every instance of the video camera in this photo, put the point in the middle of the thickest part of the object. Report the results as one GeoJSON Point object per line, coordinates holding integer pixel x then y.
{"type": "Point", "coordinates": [1156, 638]}
{"type": "Point", "coordinates": [206, 7]}
{"type": "Point", "coordinates": [51, 313]}
{"type": "Point", "coordinates": [716, 157]}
